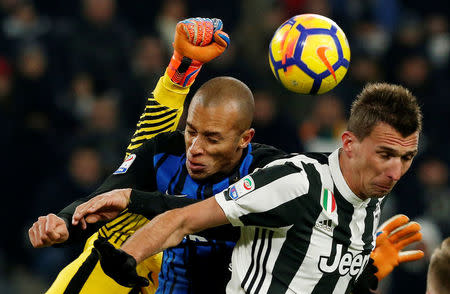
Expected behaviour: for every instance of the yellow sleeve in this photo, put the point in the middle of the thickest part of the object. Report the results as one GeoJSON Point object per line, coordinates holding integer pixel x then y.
{"type": "Point", "coordinates": [162, 112]}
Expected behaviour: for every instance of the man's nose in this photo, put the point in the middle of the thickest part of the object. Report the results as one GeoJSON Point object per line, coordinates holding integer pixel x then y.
{"type": "Point", "coordinates": [196, 147]}
{"type": "Point", "coordinates": [395, 170]}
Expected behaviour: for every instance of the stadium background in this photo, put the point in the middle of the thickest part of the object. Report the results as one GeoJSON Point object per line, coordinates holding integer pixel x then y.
{"type": "Point", "coordinates": [74, 76]}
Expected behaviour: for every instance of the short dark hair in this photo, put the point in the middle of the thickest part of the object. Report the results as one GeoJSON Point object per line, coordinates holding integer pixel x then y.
{"type": "Point", "coordinates": [387, 103]}
{"type": "Point", "coordinates": [439, 269]}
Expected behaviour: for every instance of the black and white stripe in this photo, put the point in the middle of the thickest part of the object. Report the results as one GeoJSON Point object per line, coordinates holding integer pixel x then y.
{"type": "Point", "coordinates": [256, 272]}
{"type": "Point", "coordinates": [289, 243]}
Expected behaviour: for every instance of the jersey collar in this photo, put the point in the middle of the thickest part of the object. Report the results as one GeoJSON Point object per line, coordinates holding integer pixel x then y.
{"type": "Point", "coordinates": [340, 182]}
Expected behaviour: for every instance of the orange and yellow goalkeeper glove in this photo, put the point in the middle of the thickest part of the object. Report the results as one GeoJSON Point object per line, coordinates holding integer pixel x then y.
{"type": "Point", "coordinates": [197, 40]}
{"type": "Point", "coordinates": [392, 236]}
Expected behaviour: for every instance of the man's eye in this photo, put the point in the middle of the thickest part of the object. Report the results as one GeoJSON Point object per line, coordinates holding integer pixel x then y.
{"type": "Point", "coordinates": [407, 158]}
{"type": "Point", "coordinates": [385, 155]}
{"type": "Point", "coordinates": [213, 141]}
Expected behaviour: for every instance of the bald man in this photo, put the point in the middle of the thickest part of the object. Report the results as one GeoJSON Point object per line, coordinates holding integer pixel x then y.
{"type": "Point", "coordinates": [218, 128]}
{"type": "Point", "coordinates": [213, 152]}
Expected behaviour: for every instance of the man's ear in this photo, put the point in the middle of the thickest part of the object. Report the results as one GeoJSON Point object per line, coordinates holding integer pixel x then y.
{"type": "Point", "coordinates": [349, 142]}
{"type": "Point", "coordinates": [246, 137]}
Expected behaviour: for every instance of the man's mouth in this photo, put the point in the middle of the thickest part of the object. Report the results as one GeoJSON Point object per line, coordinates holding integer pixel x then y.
{"type": "Point", "coordinates": [195, 166]}
{"type": "Point", "coordinates": [385, 188]}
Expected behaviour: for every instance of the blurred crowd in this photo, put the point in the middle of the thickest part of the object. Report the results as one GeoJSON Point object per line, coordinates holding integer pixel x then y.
{"type": "Point", "coordinates": [74, 77]}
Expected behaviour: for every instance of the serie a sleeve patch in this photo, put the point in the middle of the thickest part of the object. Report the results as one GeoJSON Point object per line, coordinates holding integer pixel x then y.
{"type": "Point", "coordinates": [244, 186]}
{"type": "Point", "coordinates": [125, 165]}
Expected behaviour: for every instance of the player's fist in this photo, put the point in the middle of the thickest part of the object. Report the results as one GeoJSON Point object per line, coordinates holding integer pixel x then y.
{"type": "Point", "coordinates": [200, 39]}
{"type": "Point", "coordinates": [48, 230]}
{"type": "Point", "coordinates": [197, 40]}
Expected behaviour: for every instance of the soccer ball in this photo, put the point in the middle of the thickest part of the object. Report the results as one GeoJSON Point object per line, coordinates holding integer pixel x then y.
{"type": "Point", "coordinates": [309, 54]}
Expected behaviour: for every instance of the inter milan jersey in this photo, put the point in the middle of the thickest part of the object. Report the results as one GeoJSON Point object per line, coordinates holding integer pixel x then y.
{"type": "Point", "coordinates": [305, 230]}
{"type": "Point", "coordinates": [199, 264]}
{"type": "Point", "coordinates": [157, 163]}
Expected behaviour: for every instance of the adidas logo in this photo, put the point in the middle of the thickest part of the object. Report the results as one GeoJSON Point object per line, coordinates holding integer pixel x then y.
{"type": "Point", "coordinates": [326, 224]}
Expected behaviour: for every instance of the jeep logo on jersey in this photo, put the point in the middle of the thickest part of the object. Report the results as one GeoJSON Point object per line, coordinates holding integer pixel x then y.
{"type": "Point", "coordinates": [327, 201]}
{"type": "Point", "coordinates": [126, 164]}
{"type": "Point", "coordinates": [244, 186]}
{"type": "Point", "coordinates": [344, 264]}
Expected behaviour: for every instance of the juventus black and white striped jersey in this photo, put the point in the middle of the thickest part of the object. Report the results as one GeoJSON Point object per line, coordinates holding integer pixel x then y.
{"type": "Point", "coordinates": [303, 229]}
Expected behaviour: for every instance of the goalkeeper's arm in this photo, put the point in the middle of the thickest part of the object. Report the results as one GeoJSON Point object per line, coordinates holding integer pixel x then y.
{"type": "Point", "coordinates": [149, 204]}
{"type": "Point", "coordinates": [190, 52]}
{"type": "Point", "coordinates": [197, 41]}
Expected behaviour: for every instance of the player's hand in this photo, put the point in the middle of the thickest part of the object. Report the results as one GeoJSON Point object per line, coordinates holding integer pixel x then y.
{"type": "Point", "coordinates": [392, 236]}
{"type": "Point", "coordinates": [200, 39]}
{"type": "Point", "coordinates": [197, 41]}
{"type": "Point", "coordinates": [105, 206]}
{"type": "Point", "coordinates": [119, 265]}
{"type": "Point", "coordinates": [48, 230]}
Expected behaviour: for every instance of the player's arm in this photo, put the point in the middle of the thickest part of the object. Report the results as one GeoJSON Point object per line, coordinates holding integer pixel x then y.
{"type": "Point", "coordinates": [168, 229]}
{"type": "Point", "coordinates": [109, 205]}
{"type": "Point", "coordinates": [162, 113]}
{"type": "Point", "coordinates": [53, 229]}
{"type": "Point", "coordinates": [164, 231]}
{"type": "Point", "coordinates": [136, 172]}
{"type": "Point", "coordinates": [197, 41]}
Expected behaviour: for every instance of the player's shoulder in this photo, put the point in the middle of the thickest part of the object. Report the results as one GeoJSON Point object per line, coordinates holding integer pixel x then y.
{"type": "Point", "coordinates": [314, 161]}
{"type": "Point", "coordinates": [318, 160]}
{"type": "Point", "coordinates": [266, 154]}
{"type": "Point", "coordinates": [167, 142]}
{"type": "Point", "coordinates": [263, 154]}
{"type": "Point", "coordinates": [321, 158]}
{"type": "Point", "coordinates": [314, 166]}
{"type": "Point", "coordinates": [170, 142]}
{"type": "Point", "coordinates": [173, 136]}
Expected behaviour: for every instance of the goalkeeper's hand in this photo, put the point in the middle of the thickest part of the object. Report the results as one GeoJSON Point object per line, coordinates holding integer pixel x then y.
{"type": "Point", "coordinates": [197, 40]}
{"type": "Point", "coordinates": [392, 236]}
{"type": "Point", "coordinates": [119, 265]}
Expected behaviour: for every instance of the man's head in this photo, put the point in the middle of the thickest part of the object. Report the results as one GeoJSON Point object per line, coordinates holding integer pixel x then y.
{"type": "Point", "coordinates": [439, 270]}
{"type": "Point", "coordinates": [381, 139]}
{"type": "Point", "coordinates": [218, 127]}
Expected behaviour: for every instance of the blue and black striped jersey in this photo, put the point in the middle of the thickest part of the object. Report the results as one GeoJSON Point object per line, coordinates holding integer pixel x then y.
{"type": "Point", "coordinates": [156, 162]}
{"type": "Point", "coordinates": [197, 263]}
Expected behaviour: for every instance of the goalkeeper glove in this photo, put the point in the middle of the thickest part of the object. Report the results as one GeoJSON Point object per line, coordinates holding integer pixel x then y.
{"type": "Point", "coordinates": [197, 40]}
{"type": "Point", "coordinates": [392, 236]}
{"type": "Point", "coordinates": [119, 265]}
